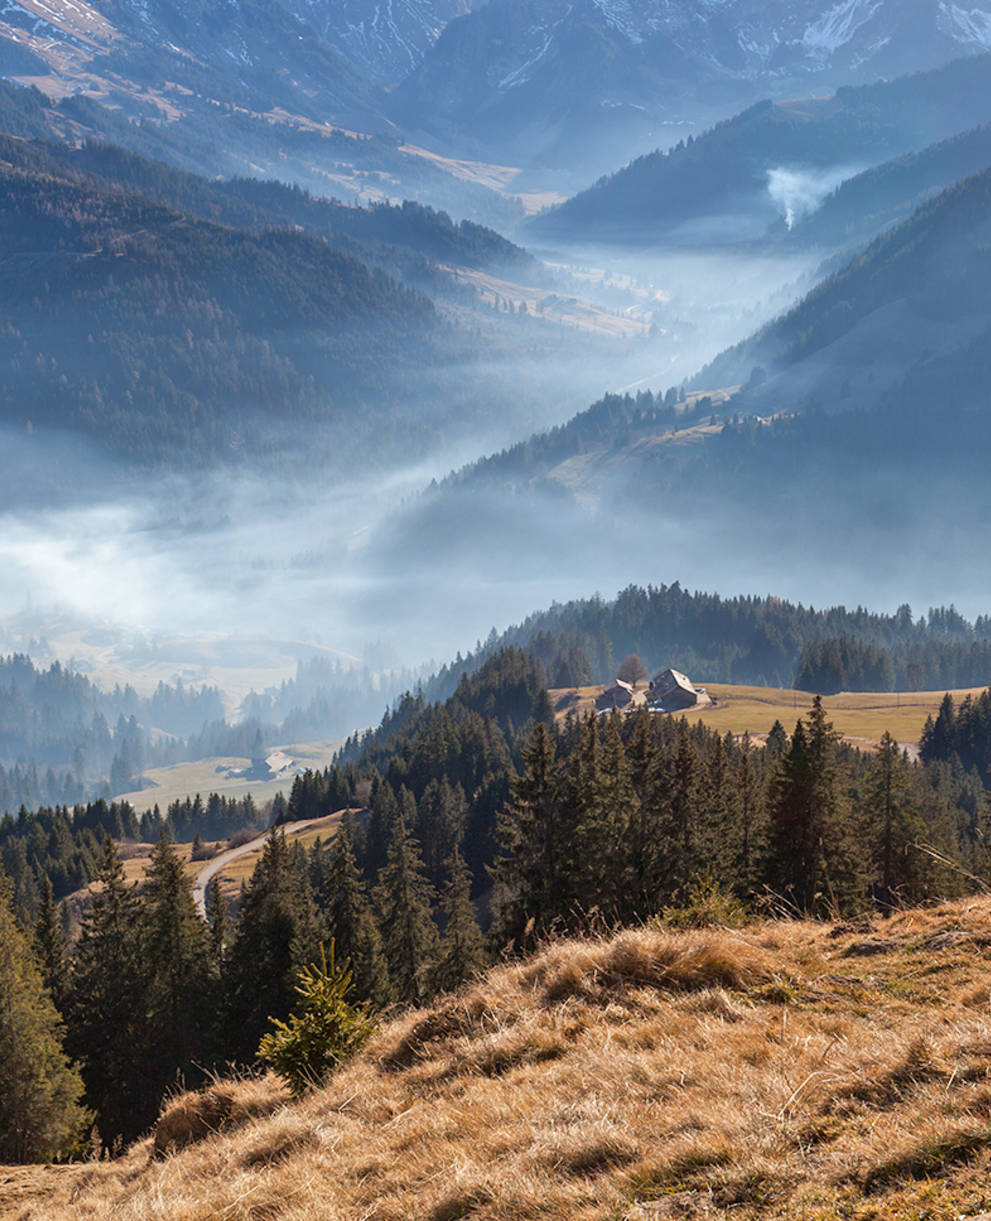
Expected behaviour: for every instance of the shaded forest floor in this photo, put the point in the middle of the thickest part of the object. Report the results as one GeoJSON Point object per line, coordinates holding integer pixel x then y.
{"type": "Point", "coordinates": [783, 1071]}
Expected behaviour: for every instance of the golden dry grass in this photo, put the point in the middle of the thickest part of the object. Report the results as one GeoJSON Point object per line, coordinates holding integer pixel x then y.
{"type": "Point", "coordinates": [861, 717]}
{"type": "Point", "coordinates": [786, 1071]}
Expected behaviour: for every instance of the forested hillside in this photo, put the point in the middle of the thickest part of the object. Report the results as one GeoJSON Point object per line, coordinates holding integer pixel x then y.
{"type": "Point", "coordinates": [103, 291]}
{"type": "Point", "coordinates": [766, 641]}
{"type": "Point", "coordinates": [862, 206]}
{"type": "Point", "coordinates": [929, 274]}
{"type": "Point", "coordinates": [227, 140]}
{"type": "Point", "coordinates": [724, 173]}
{"type": "Point", "coordinates": [254, 204]}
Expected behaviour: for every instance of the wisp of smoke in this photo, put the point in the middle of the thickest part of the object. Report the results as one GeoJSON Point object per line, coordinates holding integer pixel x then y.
{"type": "Point", "coordinates": [797, 192]}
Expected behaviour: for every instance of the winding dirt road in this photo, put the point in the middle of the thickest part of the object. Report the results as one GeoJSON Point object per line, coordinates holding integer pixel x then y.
{"type": "Point", "coordinates": [219, 863]}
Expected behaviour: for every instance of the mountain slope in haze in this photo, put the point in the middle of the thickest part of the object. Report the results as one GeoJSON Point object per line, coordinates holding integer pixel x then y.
{"type": "Point", "coordinates": [783, 1068]}
{"type": "Point", "coordinates": [523, 75]}
{"type": "Point", "coordinates": [158, 333]}
{"type": "Point", "coordinates": [744, 174]}
{"type": "Point", "coordinates": [151, 54]}
{"type": "Point", "coordinates": [219, 128]}
{"type": "Point", "coordinates": [862, 206]}
{"type": "Point", "coordinates": [179, 320]}
{"type": "Point", "coordinates": [921, 291]}
{"type": "Point", "coordinates": [838, 454]}
{"type": "Point", "coordinates": [255, 205]}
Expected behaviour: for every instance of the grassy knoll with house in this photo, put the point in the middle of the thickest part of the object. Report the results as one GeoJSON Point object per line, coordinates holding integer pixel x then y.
{"type": "Point", "coordinates": [780, 1070]}
{"type": "Point", "coordinates": [858, 716]}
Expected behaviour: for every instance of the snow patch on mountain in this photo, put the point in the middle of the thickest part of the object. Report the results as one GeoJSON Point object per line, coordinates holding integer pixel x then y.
{"type": "Point", "coordinates": [520, 75]}
{"type": "Point", "coordinates": [966, 25]}
{"type": "Point", "coordinates": [622, 16]}
{"type": "Point", "coordinates": [761, 49]}
{"type": "Point", "coordinates": [838, 26]}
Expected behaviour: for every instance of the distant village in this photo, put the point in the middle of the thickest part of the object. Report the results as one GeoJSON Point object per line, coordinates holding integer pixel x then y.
{"type": "Point", "coordinates": [669, 691]}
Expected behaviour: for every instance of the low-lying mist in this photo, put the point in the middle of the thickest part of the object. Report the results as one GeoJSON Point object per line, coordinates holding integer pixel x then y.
{"type": "Point", "coordinates": [350, 563]}
{"type": "Point", "coordinates": [306, 550]}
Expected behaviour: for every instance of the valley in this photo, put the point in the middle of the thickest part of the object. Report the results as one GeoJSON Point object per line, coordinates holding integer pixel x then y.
{"type": "Point", "coordinates": [387, 386]}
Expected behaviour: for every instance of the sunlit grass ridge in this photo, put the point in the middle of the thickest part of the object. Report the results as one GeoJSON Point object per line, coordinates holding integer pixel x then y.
{"type": "Point", "coordinates": [782, 1070]}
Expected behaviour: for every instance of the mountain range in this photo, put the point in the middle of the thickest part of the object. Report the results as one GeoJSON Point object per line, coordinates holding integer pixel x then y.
{"type": "Point", "coordinates": [557, 81]}
{"type": "Point", "coordinates": [773, 162]}
{"type": "Point", "coordinates": [567, 80]}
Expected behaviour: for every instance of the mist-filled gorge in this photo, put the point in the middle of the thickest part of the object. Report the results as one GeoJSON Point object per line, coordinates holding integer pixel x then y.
{"type": "Point", "coordinates": [495, 630]}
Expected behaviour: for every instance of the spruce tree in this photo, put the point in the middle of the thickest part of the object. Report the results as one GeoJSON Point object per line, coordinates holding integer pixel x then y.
{"type": "Point", "coordinates": [383, 812]}
{"type": "Point", "coordinates": [750, 834]}
{"type": "Point", "coordinates": [678, 788]}
{"type": "Point", "coordinates": [40, 1115]}
{"type": "Point", "coordinates": [276, 935]}
{"type": "Point", "coordinates": [893, 829]}
{"type": "Point", "coordinates": [534, 830]}
{"type": "Point", "coordinates": [351, 925]}
{"type": "Point", "coordinates": [404, 898]}
{"type": "Point", "coordinates": [219, 922]}
{"type": "Point", "coordinates": [177, 966]}
{"type": "Point", "coordinates": [642, 830]}
{"type": "Point", "coordinates": [602, 799]}
{"type": "Point", "coordinates": [462, 948]}
{"type": "Point", "coordinates": [812, 863]}
{"type": "Point", "coordinates": [50, 944]}
{"type": "Point", "coordinates": [107, 1004]}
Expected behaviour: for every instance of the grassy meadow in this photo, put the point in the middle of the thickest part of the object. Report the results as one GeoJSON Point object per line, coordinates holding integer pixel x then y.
{"type": "Point", "coordinates": [778, 1071]}
{"type": "Point", "coordinates": [182, 780]}
{"type": "Point", "coordinates": [861, 717]}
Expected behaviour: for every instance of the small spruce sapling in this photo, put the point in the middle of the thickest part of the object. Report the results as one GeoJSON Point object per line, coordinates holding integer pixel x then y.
{"type": "Point", "coordinates": [323, 1029]}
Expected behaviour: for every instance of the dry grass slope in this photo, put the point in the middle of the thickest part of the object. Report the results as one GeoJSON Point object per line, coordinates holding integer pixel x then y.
{"type": "Point", "coordinates": [785, 1071]}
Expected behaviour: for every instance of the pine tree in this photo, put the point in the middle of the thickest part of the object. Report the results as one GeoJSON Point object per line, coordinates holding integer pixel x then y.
{"type": "Point", "coordinates": [276, 935]}
{"type": "Point", "coordinates": [404, 897]}
{"type": "Point", "coordinates": [384, 810]}
{"type": "Point", "coordinates": [40, 1115]}
{"type": "Point", "coordinates": [602, 799]}
{"type": "Point", "coordinates": [750, 838]}
{"type": "Point", "coordinates": [462, 948]}
{"type": "Point", "coordinates": [177, 965]}
{"type": "Point", "coordinates": [441, 815]}
{"type": "Point", "coordinates": [678, 789]}
{"type": "Point", "coordinates": [351, 923]}
{"type": "Point", "coordinates": [219, 922]}
{"type": "Point", "coordinates": [893, 829]}
{"type": "Point", "coordinates": [642, 831]}
{"type": "Point", "coordinates": [107, 1005]}
{"type": "Point", "coordinates": [50, 944]}
{"type": "Point", "coordinates": [534, 830]}
{"type": "Point", "coordinates": [811, 862]}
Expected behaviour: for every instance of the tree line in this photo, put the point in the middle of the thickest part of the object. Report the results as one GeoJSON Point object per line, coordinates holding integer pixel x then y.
{"type": "Point", "coordinates": [64, 845]}
{"type": "Point", "coordinates": [763, 641]}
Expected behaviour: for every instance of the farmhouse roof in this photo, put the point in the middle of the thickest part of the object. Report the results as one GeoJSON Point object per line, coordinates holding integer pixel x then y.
{"type": "Point", "coordinates": [673, 680]}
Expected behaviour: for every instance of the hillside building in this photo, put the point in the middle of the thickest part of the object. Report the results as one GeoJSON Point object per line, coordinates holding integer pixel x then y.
{"type": "Point", "coordinates": [620, 696]}
{"type": "Point", "coordinates": [672, 691]}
